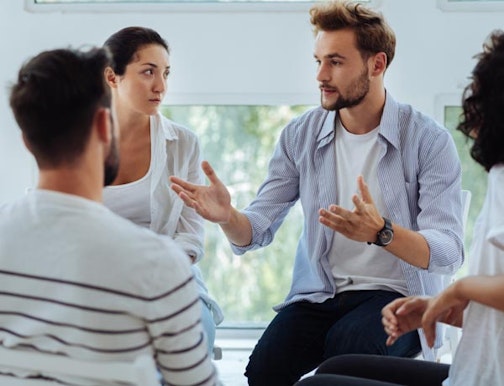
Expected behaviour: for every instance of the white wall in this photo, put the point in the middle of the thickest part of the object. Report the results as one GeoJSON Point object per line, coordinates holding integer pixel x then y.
{"type": "Point", "coordinates": [233, 57]}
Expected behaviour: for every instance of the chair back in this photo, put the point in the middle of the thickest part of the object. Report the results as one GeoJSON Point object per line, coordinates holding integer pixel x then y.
{"type": "Point", "coordinates": [466, 204]}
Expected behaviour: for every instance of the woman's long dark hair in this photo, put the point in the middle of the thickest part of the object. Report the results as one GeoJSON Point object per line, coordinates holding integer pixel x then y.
{"type": "Point", "coordinates": [483, 104]}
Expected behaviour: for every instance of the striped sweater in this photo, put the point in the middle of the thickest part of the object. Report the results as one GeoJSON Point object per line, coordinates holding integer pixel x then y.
{"type": "Point", "coordinates": [77, 280]}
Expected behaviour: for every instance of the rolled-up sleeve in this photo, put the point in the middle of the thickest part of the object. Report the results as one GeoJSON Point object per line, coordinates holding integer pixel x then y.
{"type": "Point", "coordinates": [440, 204]}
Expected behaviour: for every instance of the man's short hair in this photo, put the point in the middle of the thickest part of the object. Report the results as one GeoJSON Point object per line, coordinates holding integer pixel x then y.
{"type": "Point", "coordinates": [372, 32]}
{"type": "Point", "coordinates": [55, 100]}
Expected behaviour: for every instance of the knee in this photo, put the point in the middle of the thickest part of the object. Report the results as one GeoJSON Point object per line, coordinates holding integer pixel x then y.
{"type": "Point", "coordinates": [259, 363]}
{"type": "Point", "coordinates": [348, 339]}
{"type": "Point", "coordinates": [257, 370]}
{"type": "Point", "coordinates": [349, 364]}
{"type": "Point", "coordinates": [265, 369]}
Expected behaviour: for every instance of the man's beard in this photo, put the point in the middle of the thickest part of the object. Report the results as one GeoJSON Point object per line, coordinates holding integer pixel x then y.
{"type": "Point", "coordinates": [111, 165]}
{"type": "Point", "coordinates": [359, 88]}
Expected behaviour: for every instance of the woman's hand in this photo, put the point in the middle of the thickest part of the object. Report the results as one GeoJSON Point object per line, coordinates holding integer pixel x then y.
{"type": "Point", "coordinates": [402, 316]}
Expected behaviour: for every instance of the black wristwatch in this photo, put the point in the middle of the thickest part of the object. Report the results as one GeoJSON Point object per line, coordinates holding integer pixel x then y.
{"type": "Point", "coordinates": [385, 235]}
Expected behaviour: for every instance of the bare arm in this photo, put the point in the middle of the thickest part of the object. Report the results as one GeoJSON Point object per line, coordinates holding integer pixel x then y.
{"type": "Point", "coordinates": [448, 306]}
{"type": "Point", "coordinates": [486, 290]}
{"type": "Point", "coordinates": [409, 246]}
{"type": "Point", "coordinates": [238, 230]}
{"type": "Point", "coordinates": [213, 203]}
{"type": "Point", "coordinates": [364, 222]}
{"type": "Point", "coordinates": [407, 314]}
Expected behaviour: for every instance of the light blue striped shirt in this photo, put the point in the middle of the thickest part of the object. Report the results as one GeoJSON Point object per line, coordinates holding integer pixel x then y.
{"type": "Point", "coordinates": [420, 178]}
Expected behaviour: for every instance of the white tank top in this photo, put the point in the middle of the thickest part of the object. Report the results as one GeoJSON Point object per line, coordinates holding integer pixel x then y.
{"type": "Point", "coordinates": [131, 200]}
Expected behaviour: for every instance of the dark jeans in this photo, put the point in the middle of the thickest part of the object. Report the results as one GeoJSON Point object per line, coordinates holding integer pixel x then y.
{"type": "Point", "coordinates": [303, 335]}
{"type": "Point", "coordinates": [373, 370]}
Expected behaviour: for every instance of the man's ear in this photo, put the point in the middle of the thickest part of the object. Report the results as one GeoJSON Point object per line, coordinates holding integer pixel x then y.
{"type": "Point", "coordinates": [110, 77]}
{"type": "Point", "coordinates": [102, 124]}
{"type": "Point", "coordinates": [26, 142]}
{"type": "Point", "coordinates": [379, 63]}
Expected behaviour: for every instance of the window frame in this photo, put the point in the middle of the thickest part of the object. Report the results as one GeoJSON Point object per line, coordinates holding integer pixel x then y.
{"type": "Point", "coordinates": [477, 188]}
{"type": "Point", "coordinates": [238, 99]}
{"type": "Point", "coordinates": [470, 6]}
{"type": "Point", "coordinates": [182, 6]}
{"type": "Point", "coordinates": [441, 101]}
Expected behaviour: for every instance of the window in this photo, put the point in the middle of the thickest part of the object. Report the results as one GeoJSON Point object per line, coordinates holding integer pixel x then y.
{"type": "Point", "coordinates": [474, 177]}
{"type": "Point", "coordinates": [471, 5]}
{"type": "Point", "coordinates": [238, 142]}
{"type": "Point", "coordinates": [173, 5]}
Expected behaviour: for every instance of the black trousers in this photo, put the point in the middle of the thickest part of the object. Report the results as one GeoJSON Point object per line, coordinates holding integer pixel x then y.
{"type": "Point", "coordinates": [376, 370]}
{"type": "Point", "coordinates": [303, 335]}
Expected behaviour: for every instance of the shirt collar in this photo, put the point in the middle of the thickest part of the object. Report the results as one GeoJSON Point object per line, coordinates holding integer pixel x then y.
{"type": "Point", "coordinates": [165, 125]}
{"type": "Point", "coordinates": [327, 128]}
{"type": "Point", "coordinates": [389, 122]}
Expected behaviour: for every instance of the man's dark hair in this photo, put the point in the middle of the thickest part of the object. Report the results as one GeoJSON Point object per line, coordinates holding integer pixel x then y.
{"type": "Point", "coordinates": [483, 104]}
{"type": "Point", "coordinates": [124, 44]}
{"type": "Point", "coordinates": [55, 100]}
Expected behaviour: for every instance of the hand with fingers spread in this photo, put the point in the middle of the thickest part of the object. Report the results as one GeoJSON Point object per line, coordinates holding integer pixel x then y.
{"type": "Point", "coordinates": [212, 202]}
{"type": "Point", "coordinates": [361, 224]}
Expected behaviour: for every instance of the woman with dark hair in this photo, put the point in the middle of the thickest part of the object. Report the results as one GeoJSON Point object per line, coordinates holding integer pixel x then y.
{"type": "Point", "coordinates": [474, 302]}
{"type": "Point", "coordinates": [152, 148]}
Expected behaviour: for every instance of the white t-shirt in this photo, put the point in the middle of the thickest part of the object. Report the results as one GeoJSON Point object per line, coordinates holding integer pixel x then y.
{"type": "Point", "coordinates": [357, 265]}
{"type": "Point", "coordinates": [479, 359]}
{"type": "Point", "coordinates": [73, 283]}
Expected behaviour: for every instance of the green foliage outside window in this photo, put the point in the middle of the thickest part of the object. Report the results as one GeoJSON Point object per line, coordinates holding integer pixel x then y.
{"type": "Point", "coordinates": [238, 141]}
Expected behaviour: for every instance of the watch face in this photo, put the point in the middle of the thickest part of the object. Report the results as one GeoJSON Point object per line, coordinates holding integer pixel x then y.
{"type": "Point", "coordinates": [386, 236]}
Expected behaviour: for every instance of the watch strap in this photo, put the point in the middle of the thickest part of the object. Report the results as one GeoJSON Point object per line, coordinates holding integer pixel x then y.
{"type": "Point", "coordinates": [386, 227]}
